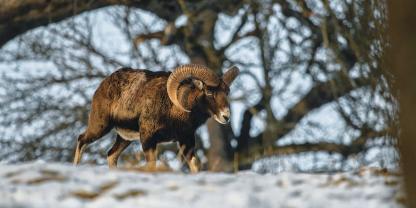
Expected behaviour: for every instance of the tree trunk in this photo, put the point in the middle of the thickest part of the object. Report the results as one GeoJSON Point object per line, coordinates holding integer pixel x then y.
{"type": "Point", "coordinates": [402, 32]}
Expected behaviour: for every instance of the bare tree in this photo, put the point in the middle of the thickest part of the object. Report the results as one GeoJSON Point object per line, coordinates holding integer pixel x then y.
{"type": "Point", "coordinates": [298, 58]}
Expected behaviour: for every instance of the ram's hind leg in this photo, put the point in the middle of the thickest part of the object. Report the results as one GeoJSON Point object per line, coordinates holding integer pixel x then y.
{"type": "Point", "coordinates": [119, 146]}
{"type": "Point", "coordinates": [79, 149]}
{"type": "Point", "coordinates": [98, 125]}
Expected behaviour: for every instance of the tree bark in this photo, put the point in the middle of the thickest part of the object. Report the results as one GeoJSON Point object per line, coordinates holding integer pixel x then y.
{"type": "Point", "coordinates": [18, 17]}
{"type": "Point", "coordinates": [402, 32]}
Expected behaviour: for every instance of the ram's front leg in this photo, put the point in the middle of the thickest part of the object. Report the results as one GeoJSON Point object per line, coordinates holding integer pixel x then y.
{"type": "Point", "coordinates": [149, 139]}
{"type": "Point", "coordinates": [193, 164]}
{"type": "Point", "coordinates": [149, 149]}
{"type": "Point", "coordinates": [151, 158]}
{"type": "Point", "coordinates": [188, 155]}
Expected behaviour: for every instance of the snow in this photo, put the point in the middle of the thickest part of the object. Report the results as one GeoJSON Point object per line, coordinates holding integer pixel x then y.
{"type": "Point", "coordinates": [40, 184]}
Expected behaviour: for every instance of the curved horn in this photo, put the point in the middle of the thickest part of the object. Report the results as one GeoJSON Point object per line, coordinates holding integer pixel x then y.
{"type": "Point", "coordinates": [230, 75]}
{"type": "Point", "coordinates": [183, 72]}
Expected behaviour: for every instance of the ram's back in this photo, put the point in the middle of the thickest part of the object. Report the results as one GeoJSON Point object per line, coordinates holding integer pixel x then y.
{"type": "Point", "coordinates": [126, 90]}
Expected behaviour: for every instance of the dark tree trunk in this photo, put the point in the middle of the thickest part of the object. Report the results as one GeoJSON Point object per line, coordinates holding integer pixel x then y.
{"type": "Point", "coordinates": [403, 37]}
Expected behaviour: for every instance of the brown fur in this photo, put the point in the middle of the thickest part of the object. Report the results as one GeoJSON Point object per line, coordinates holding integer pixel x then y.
{"type": "Point", "coordinates": [136, 102]}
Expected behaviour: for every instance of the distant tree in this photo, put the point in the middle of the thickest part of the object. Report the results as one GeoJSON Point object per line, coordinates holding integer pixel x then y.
{"type": "Point", "coordinates": [298, 57]}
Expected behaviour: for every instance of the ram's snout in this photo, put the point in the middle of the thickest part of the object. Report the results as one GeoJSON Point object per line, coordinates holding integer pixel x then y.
{"type": "Point", "coordinates": [223, 116]}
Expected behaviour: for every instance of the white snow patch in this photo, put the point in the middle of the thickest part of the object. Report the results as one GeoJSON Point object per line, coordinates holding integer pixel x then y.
{"type": "Point", "coordinates": [63, 185]}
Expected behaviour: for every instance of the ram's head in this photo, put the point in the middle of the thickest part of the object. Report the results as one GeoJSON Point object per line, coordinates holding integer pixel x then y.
{"type": "Point", "coordinates": [192, 84]}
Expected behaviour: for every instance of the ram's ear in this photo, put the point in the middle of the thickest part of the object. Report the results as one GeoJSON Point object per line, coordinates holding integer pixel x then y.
{"type": "Point", "coordinates": [198, 84]}
{"type": "Point", "coordinates": [230, 75]}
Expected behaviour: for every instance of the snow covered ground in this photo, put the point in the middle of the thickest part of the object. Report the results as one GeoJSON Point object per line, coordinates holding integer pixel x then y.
{"type": "Point", "coordinates": [62, 185]}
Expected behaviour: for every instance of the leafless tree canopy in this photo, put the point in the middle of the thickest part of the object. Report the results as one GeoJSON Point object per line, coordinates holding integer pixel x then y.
{"type": "Point", "coordinates": [313, 82]}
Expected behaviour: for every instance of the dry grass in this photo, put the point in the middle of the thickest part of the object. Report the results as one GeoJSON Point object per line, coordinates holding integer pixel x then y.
{"type": "Point", "coordinates": [148, 169]}
{"type": "Point", "coordinates": [46, 176]}
{"type": "Point", "coordinates": [91, 195]}
{"type": "Point", "coordinates": [130, 193]}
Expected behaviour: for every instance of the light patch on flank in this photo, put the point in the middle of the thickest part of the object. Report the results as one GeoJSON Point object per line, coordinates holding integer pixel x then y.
{"type": "Point", "coordinates": [128, 134]}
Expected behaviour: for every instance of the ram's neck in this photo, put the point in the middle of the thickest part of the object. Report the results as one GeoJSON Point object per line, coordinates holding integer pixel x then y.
{"type": "Point", "coordinates": [198, 111]}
